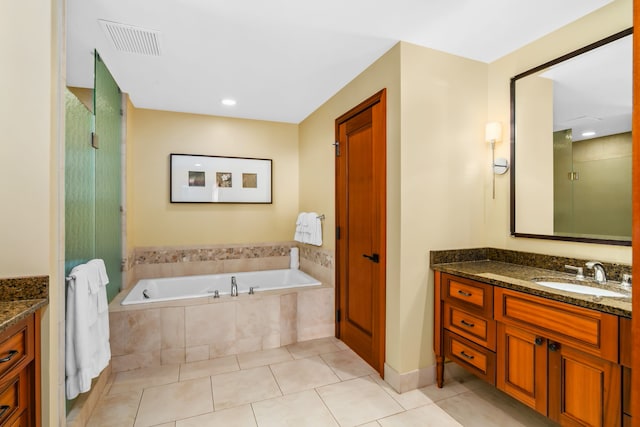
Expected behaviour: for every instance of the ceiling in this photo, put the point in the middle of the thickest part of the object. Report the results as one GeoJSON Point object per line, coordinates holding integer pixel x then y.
{"type": "Point", "coordinates": [282, 59]}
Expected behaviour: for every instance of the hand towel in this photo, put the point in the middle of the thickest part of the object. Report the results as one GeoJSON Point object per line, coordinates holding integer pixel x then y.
{"type": "Point", "coordinates": [315, 229]}
{"type": "Point", "coordinates": [98, 282]}
{"type": "Point", "coordinates": [301, 226]}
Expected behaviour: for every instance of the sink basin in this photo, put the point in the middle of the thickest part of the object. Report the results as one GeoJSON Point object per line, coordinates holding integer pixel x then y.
{"type": "Point", "coordinates": [581, 289]}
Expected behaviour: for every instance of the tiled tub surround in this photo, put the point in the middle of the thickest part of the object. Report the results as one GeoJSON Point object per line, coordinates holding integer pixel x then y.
{"type": "Point", "coordinates": [146, 263]}
{"type": "Point", "coordinates": [516, 270]}
{"type": "Point", "coordinates": [199, 329]}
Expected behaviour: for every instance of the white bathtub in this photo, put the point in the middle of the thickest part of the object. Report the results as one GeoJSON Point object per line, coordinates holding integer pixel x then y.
{"type": "Point", "coordinates": [175, 288]}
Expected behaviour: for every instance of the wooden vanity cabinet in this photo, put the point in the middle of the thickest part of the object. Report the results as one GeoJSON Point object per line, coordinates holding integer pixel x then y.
{"type": "Point", "coordinates": [468, 333]}
{"type": "Point", "coordinates": [559, 359]}
{"type": "Point", "coordinates": [20, 374]}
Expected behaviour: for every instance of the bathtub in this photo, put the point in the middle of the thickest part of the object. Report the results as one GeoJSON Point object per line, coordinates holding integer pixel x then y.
{"type": "Point", "coordinates": [176, 288]}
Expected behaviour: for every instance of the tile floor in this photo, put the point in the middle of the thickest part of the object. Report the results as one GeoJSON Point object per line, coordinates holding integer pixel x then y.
{"type": "Point", "coordinates": [314, 383]}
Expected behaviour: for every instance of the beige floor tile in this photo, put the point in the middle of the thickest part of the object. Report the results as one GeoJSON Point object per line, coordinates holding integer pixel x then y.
{"type": "Point", "coordinates": [166, 425]}
{"type": "Point", "coordinates": [242, 387]}
{"type": "Point", "coordinates": [241, 416]}
{"type": "Point", "coordinates": [206, 368]}
{"type": "Point", "coordinates": [358, 401]}
{"type": "Point", "coordinates": [303, 374]}
{"type": "Point", "coordinates": [488, 407]}
{"type": "Point", "coordinates": [424, 416]}
{"type": "Point", "coordinates": [141, 378]}
{"type": "Point", "coordinates": [263, 357]}
{"type": "Point", "coordinates": [118, 410]}
{"type": "Point", "coordinates": [409, 400]}
{"type": "Point", "coordinates": [371, 424]}
{"type": "Point", "coordinates": [347, 364]}
{"type": "Point", "coordinates": [451, 388]}
{"type": "Point", "coordinates": [304, 409]}
{"type": "Point", "coordinates": [171, 402]}
{"type": "Point", "coordinates": [313, 347]}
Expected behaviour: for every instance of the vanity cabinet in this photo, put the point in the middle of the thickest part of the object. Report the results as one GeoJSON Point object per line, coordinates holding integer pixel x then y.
{"type": "Point", "coordinates": [19, 374]}
{"type": "Point", "coordinates": [557, 358]}
{"type": "Point", "coordinates": [469, 331]}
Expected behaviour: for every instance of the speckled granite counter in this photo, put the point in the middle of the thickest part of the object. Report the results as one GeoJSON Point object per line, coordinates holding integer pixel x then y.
{"type": "Point", "coordinates": [20, 297]}
{"type": "Point", "coordinates": [475, 264]}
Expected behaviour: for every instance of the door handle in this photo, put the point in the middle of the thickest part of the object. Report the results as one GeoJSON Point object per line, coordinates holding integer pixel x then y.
{"type": "Point", "coordinates": [373, 257]}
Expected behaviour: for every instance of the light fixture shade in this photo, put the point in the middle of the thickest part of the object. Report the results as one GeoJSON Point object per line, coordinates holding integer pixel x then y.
{"type": "Point", "coordinates": [493, 132]}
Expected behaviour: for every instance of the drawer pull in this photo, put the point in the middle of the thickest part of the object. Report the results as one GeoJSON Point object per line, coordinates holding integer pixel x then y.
{"type": "Point", "coordinates": [467, 324]}
{"type": "Point", "coordinates": [464, 294]}
{"type": "Point", "coordinates": [468, 356]}
{"type": "Point", "coordinates": [3, 409]}
{"type": "Point", "coordinates": [9, 357]}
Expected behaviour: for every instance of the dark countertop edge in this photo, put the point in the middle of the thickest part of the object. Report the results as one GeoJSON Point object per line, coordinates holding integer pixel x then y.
{"type": "Point", "coordinates": [445, 268]}
{"type": "Point", "coordinates": [526, 259]}
{"type": "Point", "coordinates": [31, 306]}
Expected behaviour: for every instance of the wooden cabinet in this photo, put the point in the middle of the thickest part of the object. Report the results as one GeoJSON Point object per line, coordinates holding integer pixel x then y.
{"type": "Point", "coordinates": [19, 374]}
{"type": "Point", "coordinates": [468, 333]}
{"type": "Point", "coordinates": [559, 359]}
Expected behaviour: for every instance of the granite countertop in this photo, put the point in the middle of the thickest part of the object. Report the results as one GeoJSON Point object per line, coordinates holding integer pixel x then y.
{"type": "Point", "coordinates": [520, 278]}
{"type": "Point", "coordinates": [20, 297]}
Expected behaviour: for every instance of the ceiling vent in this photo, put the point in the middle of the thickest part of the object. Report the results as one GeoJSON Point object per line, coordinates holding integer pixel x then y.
{"type": "Point", "coordinates": [127, 38]}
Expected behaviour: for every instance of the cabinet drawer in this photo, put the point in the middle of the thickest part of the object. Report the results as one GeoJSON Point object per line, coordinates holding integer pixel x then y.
{"type": "Point", "coordinates": [476, 359]}
{"type": "Point", "coordinates": [16, 350]}
{"type": "Point", "coordinates": [474, 296]}
{"type": "Point", "coordinates": [13, 397]}
{"type": "Point", "coordinates": [475, 328]}
{"type": "Point", "coordinates": [589, 330]}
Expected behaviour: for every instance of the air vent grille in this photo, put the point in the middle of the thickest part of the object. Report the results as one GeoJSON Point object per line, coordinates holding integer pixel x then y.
{"type": "Point", "coordinates": [130, 39]}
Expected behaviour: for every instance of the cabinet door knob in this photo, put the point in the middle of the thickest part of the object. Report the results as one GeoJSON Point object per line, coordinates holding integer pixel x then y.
{"type": "Point", "coordinates": [539, 340]}
{"type": "Point", "coordinates": [554, 346]}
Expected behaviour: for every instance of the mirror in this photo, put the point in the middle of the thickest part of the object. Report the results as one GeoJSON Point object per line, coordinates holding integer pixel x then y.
{"type": "Point", "coordinates": [571, 145]}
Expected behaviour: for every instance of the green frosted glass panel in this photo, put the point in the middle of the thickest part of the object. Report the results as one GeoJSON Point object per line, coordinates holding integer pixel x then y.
{"type": "Point", "coordinates": [79, 184]}
{"type": "Point", "coordinates": [107, 103]}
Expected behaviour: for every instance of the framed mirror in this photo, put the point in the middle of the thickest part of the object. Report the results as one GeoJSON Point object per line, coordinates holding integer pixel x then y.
{"type": "Point", "coordinates": [571, 145]}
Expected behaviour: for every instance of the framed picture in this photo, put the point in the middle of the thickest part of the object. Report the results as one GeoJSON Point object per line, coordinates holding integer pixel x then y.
{"type": "Point", "coordinates": [198, 178]}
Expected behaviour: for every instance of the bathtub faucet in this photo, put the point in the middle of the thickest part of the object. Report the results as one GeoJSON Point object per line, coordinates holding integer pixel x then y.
{"type": "Point", "coordinates": [234, 287]}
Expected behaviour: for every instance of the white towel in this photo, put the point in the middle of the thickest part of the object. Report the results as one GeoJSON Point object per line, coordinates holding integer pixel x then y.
{"type": "Point", "coordinates": [87, 350]}
{"type": "Point", "coordinates": [314, 224]}
{"type": "Point", "coordinates": [99, 279]}
{"type": "Point", "coordinates": [301, 226]}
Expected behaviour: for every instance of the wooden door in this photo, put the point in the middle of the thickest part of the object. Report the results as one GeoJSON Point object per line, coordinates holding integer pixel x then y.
{"type": "Point", "coordinates": [361, 229]}
{"type": "Point", "coordinates": [584, 390]}
{"type": "Point", "coordinates": [522, 366]}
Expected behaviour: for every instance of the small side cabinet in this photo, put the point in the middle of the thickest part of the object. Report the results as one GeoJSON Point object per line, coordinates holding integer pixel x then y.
{"type": "Point", "coordinates": [20, 373]}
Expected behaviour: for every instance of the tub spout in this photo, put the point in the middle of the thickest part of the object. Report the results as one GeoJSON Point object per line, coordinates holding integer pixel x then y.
{"type": "Point", "coordinates": [234, 287]}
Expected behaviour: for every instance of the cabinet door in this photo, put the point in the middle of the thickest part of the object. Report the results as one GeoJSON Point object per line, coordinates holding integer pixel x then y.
{"type": "Point", "coordinates": [583, 390]}
{"type": "Point", "coordinates": [522, 366]}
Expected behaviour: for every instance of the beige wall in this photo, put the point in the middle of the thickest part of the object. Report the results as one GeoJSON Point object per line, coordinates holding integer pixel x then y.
{"type": "Point", "coordinates": [610, 19]}
{"type": "Point", "coordinates": [436, 109]}
{"type": "Point", "coordinates": [153, 221]}
{"type": "Point", "coordinates": [29, 218]}
{"type": "Point", "coordinates": [444, 100]}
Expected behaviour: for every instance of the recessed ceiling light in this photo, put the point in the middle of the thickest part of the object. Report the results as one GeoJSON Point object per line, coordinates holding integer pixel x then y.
{"type": "Point", "coordinates": [228, 102]}
{"type": "Point", "coordinates": [588, 133]}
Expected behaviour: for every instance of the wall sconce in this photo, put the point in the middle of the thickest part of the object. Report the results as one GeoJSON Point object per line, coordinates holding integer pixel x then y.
{"type": "Point", "coordinates": [493, 134]}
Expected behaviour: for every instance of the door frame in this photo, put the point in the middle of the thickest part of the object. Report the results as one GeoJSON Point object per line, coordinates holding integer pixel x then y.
{"type": "Point", "coordinates": [379, 131]}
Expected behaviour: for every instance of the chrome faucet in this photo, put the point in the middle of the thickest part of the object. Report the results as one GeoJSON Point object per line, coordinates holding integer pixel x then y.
{"type": "Point", "coordinates": [234, 287]}
{"type": "Point", "coordinates": [578, 270]}
{"type": "Point", "coordinates": [598, 271]}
